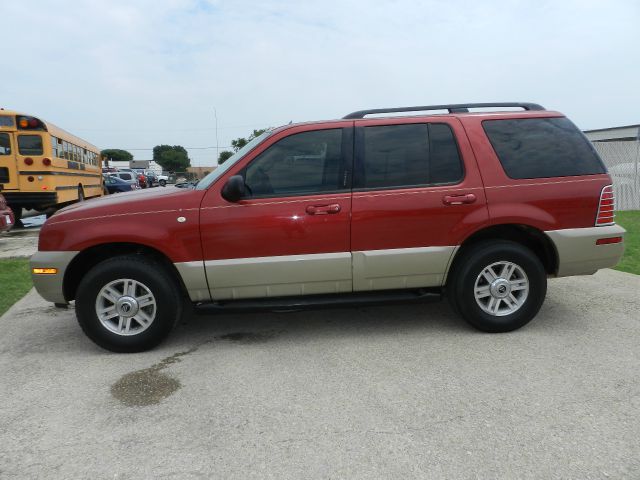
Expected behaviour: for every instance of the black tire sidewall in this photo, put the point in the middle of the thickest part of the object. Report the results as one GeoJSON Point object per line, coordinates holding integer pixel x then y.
{"type": "Point", "coordinates": [154, 277]}
{"type": "Point", "coordinates": [479, 258]}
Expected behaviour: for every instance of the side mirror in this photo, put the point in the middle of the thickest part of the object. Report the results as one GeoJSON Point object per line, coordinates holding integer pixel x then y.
{"type": "Point", "coordinates": [234, 189]}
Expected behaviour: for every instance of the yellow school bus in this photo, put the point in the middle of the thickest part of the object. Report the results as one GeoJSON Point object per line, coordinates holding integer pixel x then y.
{"type": "Point", "coordinates": [43, 167]}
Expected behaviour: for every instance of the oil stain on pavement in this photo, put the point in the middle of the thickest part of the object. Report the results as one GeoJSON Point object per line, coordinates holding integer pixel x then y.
{"type": "Point", "coordinates": [150, 386]}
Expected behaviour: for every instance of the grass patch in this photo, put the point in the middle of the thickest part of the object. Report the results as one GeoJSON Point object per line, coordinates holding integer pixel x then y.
{"type": "Point", "coordinates": [15, 279]}
{"type": "Point", "coordinates": [630, 220]}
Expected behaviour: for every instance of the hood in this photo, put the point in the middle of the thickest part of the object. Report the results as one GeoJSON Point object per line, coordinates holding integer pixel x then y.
{"type": "Point", "coordinates": [137, 201]}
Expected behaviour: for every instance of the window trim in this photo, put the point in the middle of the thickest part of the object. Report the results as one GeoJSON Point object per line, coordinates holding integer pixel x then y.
{"type": "Point", "coordinates": [345, 168]}
{"type": "Point", "coordinates": [358, 166]}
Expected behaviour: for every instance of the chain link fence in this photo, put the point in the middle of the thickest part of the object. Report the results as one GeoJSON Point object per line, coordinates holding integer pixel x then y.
{"type": "Point", "coordinates": [622, 158]}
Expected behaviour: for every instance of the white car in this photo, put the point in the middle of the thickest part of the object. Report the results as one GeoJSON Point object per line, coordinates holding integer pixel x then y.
{"type": "Point", "coordinates": [163, 180]}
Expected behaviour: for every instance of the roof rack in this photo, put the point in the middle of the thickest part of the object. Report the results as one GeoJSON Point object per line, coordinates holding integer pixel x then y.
{"type": "Point", "coordinates": [452, 108]}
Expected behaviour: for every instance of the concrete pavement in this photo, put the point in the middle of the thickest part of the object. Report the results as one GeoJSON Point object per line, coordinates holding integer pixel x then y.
{"type": "Point", "coordinates": [376, 392]}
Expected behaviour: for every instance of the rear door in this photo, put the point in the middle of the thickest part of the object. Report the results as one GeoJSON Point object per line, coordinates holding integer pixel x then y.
{"type": "Point", "coordinates": [417, 194]}
{"type": "Point", "coordinates": [8, 167]}
{"type": "Point", "coordinates": [290, 234]}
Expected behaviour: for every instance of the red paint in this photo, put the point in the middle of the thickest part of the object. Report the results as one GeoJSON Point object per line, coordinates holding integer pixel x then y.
{"type": "Point", "coordinates": [5, 212]}
{"type": "Point", "coordinates": [363, 220]}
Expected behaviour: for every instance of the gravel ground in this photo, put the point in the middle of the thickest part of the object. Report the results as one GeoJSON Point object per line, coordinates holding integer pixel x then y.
{"type": "Point", "coordinates": [377, 392]}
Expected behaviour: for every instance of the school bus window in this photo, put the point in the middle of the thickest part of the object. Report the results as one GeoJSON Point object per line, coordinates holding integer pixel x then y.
{"type": "Point", "coordinates": [54, 146]}
{"type": "Point", "coordinates": [30, 144]}
{"type": "Point", "coordinates": [6, 121]}
{"type": "Point", "coordinates": [5, 144]}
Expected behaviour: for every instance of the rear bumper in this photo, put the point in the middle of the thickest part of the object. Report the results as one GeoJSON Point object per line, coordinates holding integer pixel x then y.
{"type": "Point", "coordinates": [31, 199]}
{"type": "Point", "coordinates": [578, 253]}
{"type": "Point", "coordinates": [51, 286]}
{"type": "Point", "coordinates": [6, 220]}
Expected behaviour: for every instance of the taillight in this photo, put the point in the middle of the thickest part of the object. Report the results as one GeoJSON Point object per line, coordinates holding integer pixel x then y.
{"type": "Point", "coordinates": [46, 162]}
{"type": "Point", "coordinates": [28, 161]}
{"type": "Point", "coordinates": [606, 206]}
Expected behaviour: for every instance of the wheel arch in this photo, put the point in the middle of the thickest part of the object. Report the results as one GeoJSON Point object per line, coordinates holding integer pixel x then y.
{"type": "Point", "coordinates": [526, 235]}
{"type": "Point", "coordinates": [90, 257]}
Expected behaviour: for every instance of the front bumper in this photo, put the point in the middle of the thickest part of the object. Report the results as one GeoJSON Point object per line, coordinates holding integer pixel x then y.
{"type": "Point", "coordinates": [578, 253]}
{"type": "Point", "coordinates": [50, 286]}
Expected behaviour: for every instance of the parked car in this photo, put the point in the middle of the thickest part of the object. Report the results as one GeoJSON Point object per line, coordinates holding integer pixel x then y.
{"type": "Point", "coordinates": [142, 180]}
{"type": "Point", "coordinates": [114, 184]}
{"type": "Point", "coordinates": [480, 207]}
{"type": "Point", "coordinates": [163, 180]}
{"type": "Point", "coordinates": [128, 176]}
{"type": "Point", "coordinates": [7, 220]}
{"type": "Point", "coordinates": [152, 178]}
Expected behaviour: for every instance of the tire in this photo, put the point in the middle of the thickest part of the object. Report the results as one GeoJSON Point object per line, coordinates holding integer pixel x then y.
{"type": "Point", "coordinates": [130, 329]}
{"type": "Point", "coordinates": [497, 286]}
{"type": "Point", "coordinates": [17, 216]}
{"type": "Point", "coordinates": [80, 194]}
{"type": "Point", "coordinates": [163, 183]}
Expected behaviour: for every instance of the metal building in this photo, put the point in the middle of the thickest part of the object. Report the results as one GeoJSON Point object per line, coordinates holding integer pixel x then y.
{"type": "Point", "coordinates": [619, 148]}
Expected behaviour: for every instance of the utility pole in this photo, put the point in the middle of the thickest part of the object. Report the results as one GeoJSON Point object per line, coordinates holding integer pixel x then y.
{"type": "Point", "coordinates": [215, 114]}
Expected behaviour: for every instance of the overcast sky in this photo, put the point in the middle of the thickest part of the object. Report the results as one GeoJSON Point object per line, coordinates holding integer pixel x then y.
{"type": "Point", "coordinates": [133, 74]}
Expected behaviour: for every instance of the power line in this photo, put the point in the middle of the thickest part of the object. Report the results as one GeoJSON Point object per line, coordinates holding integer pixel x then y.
{"type": "Point", "coordinates": [187, 148]}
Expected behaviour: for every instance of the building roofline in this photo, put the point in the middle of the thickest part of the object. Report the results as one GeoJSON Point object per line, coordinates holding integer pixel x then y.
{"type": "Point", "coordinates": [637, 125]}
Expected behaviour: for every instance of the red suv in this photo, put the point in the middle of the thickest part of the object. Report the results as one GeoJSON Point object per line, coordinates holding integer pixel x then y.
{"type": "Point", "coordinates": [481, 205]}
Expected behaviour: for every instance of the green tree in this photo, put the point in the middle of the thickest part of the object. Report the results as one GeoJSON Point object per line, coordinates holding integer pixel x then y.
{"type": "Point", "coordinates": [116, 154]}
{"type": "Point", "coordinates": [224, 156]}
{"type": "Point", "coordinates": [171, 158]}
{"type": "Point", "coordinates": [238, 143]}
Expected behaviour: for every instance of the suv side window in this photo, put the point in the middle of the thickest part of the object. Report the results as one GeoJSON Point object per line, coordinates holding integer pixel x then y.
{"type": "Point", "coordinates": [300, 164]}
{"type": "Point", "coordinates": [407, 155]}
{"type": "Point", "coordinates": [542, 148]}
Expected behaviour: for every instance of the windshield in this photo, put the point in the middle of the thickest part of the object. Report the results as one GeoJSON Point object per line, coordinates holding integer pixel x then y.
{"type": "Point", "coordinates": [231, 161]}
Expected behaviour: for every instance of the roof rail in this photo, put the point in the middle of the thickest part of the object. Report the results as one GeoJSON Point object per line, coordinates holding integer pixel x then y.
{"type": "Point", "coordinates": [452, 108]}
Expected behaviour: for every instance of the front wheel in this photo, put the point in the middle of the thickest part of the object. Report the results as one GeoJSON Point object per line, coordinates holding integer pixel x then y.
{"type": "Point", "coordinates": [497, 286]}
{"type": "Point", "coordinates": [128, 304]}
{"type": "Point", "coordinates": [163, 183]}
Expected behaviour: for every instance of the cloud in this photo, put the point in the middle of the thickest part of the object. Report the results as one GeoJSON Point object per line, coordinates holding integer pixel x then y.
{"type": "Point", "coordinates": [135, 74]}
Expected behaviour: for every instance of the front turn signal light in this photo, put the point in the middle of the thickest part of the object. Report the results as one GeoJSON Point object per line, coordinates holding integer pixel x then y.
{"type": "Point", "coordinates": [44, 271]}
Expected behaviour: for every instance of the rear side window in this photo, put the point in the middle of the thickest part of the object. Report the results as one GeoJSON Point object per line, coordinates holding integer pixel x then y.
{"type": "Point", "coordinates": [410, 155]}
{"type": "Point", "coordinates": [541, 148]}
{"type": "Point", "coordinates": [30, 144]}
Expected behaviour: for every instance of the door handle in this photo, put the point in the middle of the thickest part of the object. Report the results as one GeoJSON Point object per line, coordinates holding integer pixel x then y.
{"type": "Point", "coordinates": [458, 199]}
{"type": "Point", "coordinates": [323, 209]}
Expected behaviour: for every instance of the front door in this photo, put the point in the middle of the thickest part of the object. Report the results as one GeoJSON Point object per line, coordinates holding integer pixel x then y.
{"type": "Point", "coordinates": [290, 234]}
{"type": "Point", "coordinates": [416, 195]}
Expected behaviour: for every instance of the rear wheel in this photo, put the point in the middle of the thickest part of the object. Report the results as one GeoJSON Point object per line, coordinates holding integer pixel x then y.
{"type": "Point", "coordinates": [80, 193]}
{"type": "Point", "coordinates": [497, 286]}
{"type": "Point", "coordinates": [128, 304]}
{"type": "Point", "coordinates": [163, 183]}
{"type": "Point", "coordinates": [17, 215]}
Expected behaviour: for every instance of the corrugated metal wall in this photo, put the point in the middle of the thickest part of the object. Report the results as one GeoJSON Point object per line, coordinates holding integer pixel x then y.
{"type": "Point", "coordinates": [622, 160]}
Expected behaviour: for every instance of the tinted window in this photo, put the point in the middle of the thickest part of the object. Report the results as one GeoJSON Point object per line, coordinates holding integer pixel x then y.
{"type": "Point", "coordinates": [408, 155]}
{"type": "Point", "coordinates": [444, 160]}
{"type": "Point", "coordinates": [301, 164]}
{"type": "Point", "coordinates": [30, 144]}
{"type": "Point", "coordinates": [542, 147]}
{"type": "Point", "coordinates": [125, 176]}
{"type": "Point", "coordinates": [5, 144]}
